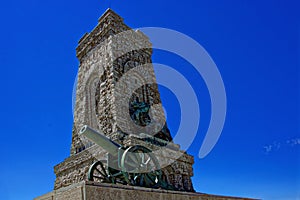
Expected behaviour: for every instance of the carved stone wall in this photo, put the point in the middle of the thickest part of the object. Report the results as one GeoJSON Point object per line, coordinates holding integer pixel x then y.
{"type": "Point", "coordinates": [75, 168]}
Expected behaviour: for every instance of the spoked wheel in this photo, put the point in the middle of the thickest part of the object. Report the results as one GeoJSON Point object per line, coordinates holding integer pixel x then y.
{"type": "Point", "coordinates": [140, 167]}
{"type": "Point", "coordinates": [98, 172]}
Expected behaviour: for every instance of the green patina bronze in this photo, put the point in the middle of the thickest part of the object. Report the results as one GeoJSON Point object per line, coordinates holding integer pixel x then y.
{"type": "Point", "coordinates": [134, 165]}
{"type": "Point", "coordinates": [139, 112]}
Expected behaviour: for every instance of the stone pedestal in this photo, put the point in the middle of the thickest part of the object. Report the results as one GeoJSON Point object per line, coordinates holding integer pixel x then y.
{"type": "Point", "coordinates": [95, 191]}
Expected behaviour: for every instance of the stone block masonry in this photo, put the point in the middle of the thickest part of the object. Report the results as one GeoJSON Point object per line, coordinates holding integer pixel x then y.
{"type": "Point", "coordinates": [95, 191]}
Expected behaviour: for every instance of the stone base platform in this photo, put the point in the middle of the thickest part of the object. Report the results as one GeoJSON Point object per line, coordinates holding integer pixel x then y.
{"type": "Point", "coordinates": [87, 190]}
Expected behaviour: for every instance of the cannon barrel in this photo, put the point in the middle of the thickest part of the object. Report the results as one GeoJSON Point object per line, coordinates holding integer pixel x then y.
{"type": "Point", "coordinates": [100, 139]}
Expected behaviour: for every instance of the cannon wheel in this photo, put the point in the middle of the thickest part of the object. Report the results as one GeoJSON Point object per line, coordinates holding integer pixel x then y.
{"type": "Point", "coordinates": [140, 167]}
{"type": "Point", "coordinates": [98, 172]}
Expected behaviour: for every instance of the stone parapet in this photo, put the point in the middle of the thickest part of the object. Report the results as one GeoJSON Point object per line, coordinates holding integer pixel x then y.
{"type": "Point", "coordinates": [99, 191]}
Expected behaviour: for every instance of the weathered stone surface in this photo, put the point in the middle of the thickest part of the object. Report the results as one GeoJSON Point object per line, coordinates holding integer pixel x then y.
{"type": "Point", "coordinates": [92, 191]}
{"type": "Point", "coordinates": [75, 168]}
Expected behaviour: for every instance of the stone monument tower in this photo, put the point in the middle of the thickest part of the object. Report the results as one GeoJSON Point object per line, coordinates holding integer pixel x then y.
{"type": "Point", "coordinates": [111, 50]}
{"type": "Point", "coordinates": [117, 95]}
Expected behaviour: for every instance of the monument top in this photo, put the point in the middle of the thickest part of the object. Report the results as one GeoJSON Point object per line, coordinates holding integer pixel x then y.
{"type": "Point", "coordinates": [107, 13]}
{"type": "Point", "coordinates": [109, 24]}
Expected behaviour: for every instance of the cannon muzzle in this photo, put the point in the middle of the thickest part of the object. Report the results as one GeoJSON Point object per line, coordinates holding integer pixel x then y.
{"type": "Point", "coordinates": [100, 139]}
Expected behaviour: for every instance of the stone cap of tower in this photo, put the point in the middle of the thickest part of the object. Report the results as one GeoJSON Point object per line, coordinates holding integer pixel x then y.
{"type": "Point", "coordinates": [110, 23]}
{"type": "Point", "coordinates": [108, 13]}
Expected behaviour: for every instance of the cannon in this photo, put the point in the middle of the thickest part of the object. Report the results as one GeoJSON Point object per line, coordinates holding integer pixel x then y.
{"type": "Point", "coordinates": [133, 165]}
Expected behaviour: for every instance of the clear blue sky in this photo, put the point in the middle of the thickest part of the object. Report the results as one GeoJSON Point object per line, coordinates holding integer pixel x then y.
{"type": "Point", "coordinates": [255, 45]}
